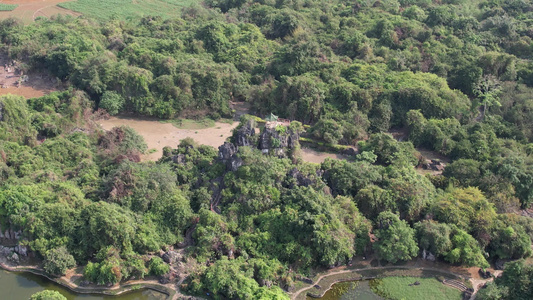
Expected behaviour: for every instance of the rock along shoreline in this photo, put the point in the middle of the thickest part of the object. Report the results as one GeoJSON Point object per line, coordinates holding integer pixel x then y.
{"type": "Point", "coordinates": [113, 291]}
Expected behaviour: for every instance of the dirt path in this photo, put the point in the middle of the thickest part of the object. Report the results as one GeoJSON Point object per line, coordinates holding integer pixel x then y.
{"type": "Point", "coordinates": [475, 280]}
{"type": "Point", "coordinates": [28, 10]}
{"type": "Point", "coordinates": [158, 135]}
{"type": "Point", "coordinates": [68, 282]}
{"type": "Point", "coordinates": [297, 293]}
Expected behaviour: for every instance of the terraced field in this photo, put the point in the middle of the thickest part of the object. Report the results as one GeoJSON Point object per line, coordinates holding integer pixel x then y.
{"type": "Point", "coordinates": [105, 9]}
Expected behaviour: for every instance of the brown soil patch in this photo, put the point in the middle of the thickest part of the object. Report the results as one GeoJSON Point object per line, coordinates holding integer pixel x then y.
{"type": "Point", "coordinates": [313, 156]}
{"type": "Point", "coordinates": [28, 10]}
{"type": "Point", "coordinates": [158, 135]}
{"type": "Point", "coordinates": [429, 154]}
{"type": "Point", "coordinates": [35, 85]}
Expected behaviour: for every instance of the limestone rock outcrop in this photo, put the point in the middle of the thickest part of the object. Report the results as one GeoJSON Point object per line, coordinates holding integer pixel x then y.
{"type": "Point", "coordinates": [227, 153]}
{"type": "Point", "coordinates": [243, 136]}
{"type": "Point", "coordinates": [271, 138]}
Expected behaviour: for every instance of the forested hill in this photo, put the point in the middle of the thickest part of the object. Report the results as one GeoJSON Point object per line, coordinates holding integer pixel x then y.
{"type": "Point", "coordinates": [454, 75]}
{"type": "Point", "coordinates": [329, 61]}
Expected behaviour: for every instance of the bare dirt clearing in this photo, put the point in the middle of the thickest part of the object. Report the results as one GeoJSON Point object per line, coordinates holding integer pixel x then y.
{"type": "Point", "coordinates": [28, 86]}
{"type": "Point", "coordinates": [313, 156]}
{"type": "Point", "coordinates": [158, 135]}
{"type": "Point", "coordinates": [28, 10]}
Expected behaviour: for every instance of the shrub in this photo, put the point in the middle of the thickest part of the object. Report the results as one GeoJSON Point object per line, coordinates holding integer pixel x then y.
{"type": "Point", "coordinates": [112, 102]}
{"type": "Point", "coordinates": [158, 267]}
{"type": "Point", "coordinates": [47, 295]}
{"type": "Point", "coordinates": [57, 261]}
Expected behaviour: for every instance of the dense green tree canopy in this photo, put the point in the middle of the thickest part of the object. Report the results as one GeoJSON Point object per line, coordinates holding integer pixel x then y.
{"type": "Point", "coordinates": [47, 295]}
{"type": "Point", "coordinates": [395, 83]}
{"type": "Point", "coordinates": [396, 240]}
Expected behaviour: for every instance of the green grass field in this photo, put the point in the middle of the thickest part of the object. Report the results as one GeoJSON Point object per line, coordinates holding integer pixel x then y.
{"type": "Point", "coordinates": [397, 288]}
{"type": "Point", "coordinates": [123, 9]}
{"type": "Point", "coordinates": [7, 7]}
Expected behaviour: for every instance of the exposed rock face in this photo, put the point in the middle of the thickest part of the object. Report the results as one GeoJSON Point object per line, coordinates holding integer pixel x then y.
{"type": "Point", "coordinates": [171, 257]}
{"type": "Point", "coordinates": [14, 258]}
{"type": "Point", "coordinates": [243, 135]}
{"type": "Point", "coordinates": [84, 283]}
{"type": "Point", "coordinates": [226, 151]}
{"type": "Point", "coordinates": [5, 251]}
{"type": "Point", "coordinates": [227, 154]}
{"type": "Point", "coordinates": [21, 250]}
{"type": "Point", "coordinates": [500, 263]}
{"type": "Point", "coordinates": [179, 159]}
{"type": "Point", "coordinates": [307, 280]}
{"type": "Point", "coordinates": [428, 255]}
{"type": "Point", "coordinates": [299, 179]}
{"type": "Point", "coordinates": [235, 163]}
{"type": "Point", "coordinates": [294, 139]}
{"type": "Point", "coordinates": [11, 235]}
{"type": "Point", "coordinates": [265, 282]}
{"type": "Point", "coordinates": [349, 151]}
{"type": "Point", "coordinates": [13, 253]}
{"type": "Point", "coordinates": [164, 279]}
{"type": "Point", "coordinates": [484, 274]}
{"type": "Point", "coordinates": [435, 165]}
{"type": "Point", "coordinates": [272, 139]}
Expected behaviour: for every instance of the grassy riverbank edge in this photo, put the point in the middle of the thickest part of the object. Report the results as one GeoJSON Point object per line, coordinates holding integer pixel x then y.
{"type": "Point", "coordinates": [362, 271]}
{"type": "Point", "coordinates": [112, 291]}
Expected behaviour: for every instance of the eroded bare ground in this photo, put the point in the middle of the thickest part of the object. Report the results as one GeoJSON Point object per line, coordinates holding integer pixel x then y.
{"type": "Point", "coordinates": [313, 156]}
{"type": "Point", "coordinates": [28, 10]}
{"type": "Point", "coordinates": [31, 85]}
{"type": "Point", "coordinates": [158, 135]}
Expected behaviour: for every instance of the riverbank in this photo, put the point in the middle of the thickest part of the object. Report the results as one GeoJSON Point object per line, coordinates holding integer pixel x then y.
{"type": "Point", "coordinates": [314, 287]}
{"type": "Point", "coordinates": [169, 290]}
{"type": "Point", "coordinates": [327, 283]}
{"type": "Point", "coordinates": [321, 282]}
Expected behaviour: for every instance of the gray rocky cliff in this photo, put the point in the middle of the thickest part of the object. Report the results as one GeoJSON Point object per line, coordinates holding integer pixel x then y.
{"type": "Point", "coordinates": [227, 153]}
{"type": "Point", "coordinates": [271, 139]}
{"type": "Point", "coordinates": [244, 135]}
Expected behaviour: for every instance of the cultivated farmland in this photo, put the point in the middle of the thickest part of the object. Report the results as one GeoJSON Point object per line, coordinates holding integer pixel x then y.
{"type": "Point", "coordinates": [105, 9]}
{"type": "Point", "coordinates": [7, 7]}
{"type": "Point", "coordinates": [28, 10]}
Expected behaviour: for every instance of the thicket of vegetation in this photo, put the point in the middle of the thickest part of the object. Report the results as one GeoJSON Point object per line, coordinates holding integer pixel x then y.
{"type": "Point", "coordinates": [126, 9]}
{"type": "Point", "coordinates": [47, 295]}
{"type": "Point", "coordinates": [515, 283]}
{"type": "Point", "coordinates": [456, 75]}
